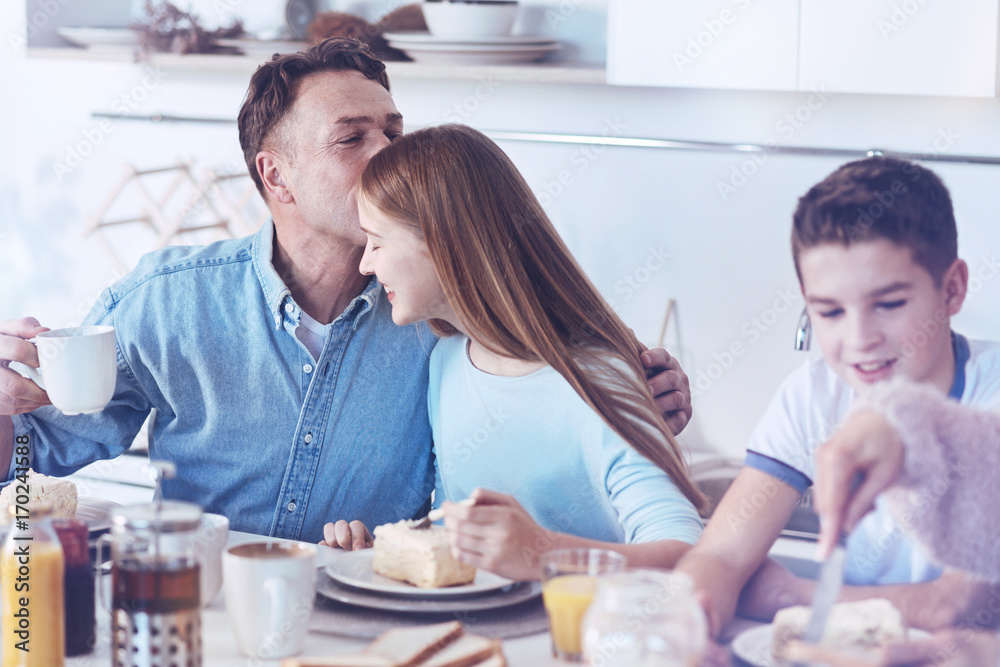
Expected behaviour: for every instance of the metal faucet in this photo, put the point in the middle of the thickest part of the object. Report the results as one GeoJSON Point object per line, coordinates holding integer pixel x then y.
{"type": "Point", "coordinates": [803, 332]}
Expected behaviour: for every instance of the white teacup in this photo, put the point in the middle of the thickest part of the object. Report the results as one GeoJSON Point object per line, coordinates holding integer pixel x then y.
{"type": "Point", "coordinates": [78, 367]}
{"type": "Point", "coordinates": [270, 588]}
{"type": "Point", "coordinates": [212, 538]}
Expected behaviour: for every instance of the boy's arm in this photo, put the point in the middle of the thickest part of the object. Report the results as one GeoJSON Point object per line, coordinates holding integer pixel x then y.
{"type": "Point", "coordinates": [953, 598]}
{"type": "Point", "coordinates": [735, 544]}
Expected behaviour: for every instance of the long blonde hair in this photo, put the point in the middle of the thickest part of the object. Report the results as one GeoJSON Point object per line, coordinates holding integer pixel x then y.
{"type": "Point", "coordinates": [512, 281]}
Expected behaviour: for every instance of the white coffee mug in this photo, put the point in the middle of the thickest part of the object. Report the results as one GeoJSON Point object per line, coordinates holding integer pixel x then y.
{"type": "Point", "coordinates": [77, 367]}
{"type": "Point", "coordinates": [270, 588]}
{"type": "Point", "coordinates": [212, 538]}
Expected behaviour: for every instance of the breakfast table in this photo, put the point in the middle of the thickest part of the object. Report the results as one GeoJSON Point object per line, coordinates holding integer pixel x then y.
{"type": "Point", "coordinates": [220, 648]}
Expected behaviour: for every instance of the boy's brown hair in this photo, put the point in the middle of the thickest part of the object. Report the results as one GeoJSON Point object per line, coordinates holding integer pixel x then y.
{"type": "Point", "coordinates": [880, 198]}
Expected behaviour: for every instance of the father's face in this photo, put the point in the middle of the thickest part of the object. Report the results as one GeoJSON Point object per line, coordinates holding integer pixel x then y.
{"type": "Point", "coordinates": [338, 122]}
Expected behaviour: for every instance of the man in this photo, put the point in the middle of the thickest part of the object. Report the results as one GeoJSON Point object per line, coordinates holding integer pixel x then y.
{"type": "Point", "coordinates": [285, 394]}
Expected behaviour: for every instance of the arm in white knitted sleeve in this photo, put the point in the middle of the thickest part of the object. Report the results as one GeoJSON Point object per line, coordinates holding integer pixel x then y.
{"type": "Point", "coordinates": [946, 496]}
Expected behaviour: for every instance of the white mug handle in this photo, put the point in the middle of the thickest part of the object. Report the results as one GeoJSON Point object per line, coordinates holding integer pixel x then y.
{"type": "Point", "coordinates": [277, 589]}
{"type": "Point", "coordinates": [31, 373]}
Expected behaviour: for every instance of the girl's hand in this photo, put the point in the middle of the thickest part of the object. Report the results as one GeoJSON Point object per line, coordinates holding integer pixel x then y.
{"type": "Point", "coordinates": [498, 535]}
{"type": "Point", "coordinates": [351, 536]}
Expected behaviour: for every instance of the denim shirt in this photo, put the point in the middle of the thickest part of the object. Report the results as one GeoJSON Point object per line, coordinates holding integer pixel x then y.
{"type": "Point", "coordinates": [259, 431]}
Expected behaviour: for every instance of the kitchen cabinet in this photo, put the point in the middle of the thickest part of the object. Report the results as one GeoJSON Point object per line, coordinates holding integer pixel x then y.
{"type": "Point", "coordinates": [903, 47]}
{"type": "Point", "coordinates": [736, 44]}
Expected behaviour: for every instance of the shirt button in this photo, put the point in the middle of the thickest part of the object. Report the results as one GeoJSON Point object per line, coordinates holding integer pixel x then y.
{"type": "Point", "coordinates": [308, 438]}
{"type": "Point", "coordinates": [289, 308]}
{"type": "Point", "coordinates": [291, 506]}
{"type": "Point", "coordinates": [307, 368]}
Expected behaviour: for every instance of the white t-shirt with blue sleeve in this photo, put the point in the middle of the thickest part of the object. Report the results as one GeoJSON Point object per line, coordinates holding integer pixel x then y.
{"type": "Point", "coordinates": [808, 408]}
{"type": "Point", "coordinates": [534, 438]}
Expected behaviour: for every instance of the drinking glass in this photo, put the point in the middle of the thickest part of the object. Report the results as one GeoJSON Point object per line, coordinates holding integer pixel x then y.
{"type": "Point", "coordinates": [569, 581]}
{"type": "Point", "coordinates": [643, 618]}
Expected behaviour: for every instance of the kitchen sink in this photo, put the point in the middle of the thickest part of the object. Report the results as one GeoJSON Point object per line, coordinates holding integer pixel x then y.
{"type": "Point", "coordinates": [714, 477]}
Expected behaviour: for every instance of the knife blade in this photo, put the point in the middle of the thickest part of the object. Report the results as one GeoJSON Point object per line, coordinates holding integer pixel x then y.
{"type": "Point", "coordinates": [831, 578]}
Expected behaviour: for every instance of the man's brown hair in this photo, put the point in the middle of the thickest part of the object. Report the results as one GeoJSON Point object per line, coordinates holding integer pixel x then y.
{"type": "Point", "coordinates": [880, 198]}
{"type": "Point", "coordinates": [274, 87]}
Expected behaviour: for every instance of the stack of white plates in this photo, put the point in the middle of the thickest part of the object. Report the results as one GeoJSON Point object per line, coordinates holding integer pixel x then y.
{"type": "Point", "coordinates": [424, 47]}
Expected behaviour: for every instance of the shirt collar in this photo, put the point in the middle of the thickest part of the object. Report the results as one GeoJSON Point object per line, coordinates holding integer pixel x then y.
{"type": "Point", "coordinates": [278, 296]}
{"type": "Point", "coordinates": [960, 348]}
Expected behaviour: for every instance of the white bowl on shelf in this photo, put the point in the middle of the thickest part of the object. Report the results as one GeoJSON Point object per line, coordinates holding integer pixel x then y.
{"type": "Point", "coordinates": [460, 19]}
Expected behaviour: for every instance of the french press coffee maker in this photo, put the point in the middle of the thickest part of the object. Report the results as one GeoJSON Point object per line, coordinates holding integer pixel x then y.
{"type": "Point", "coordinates": [155, 582]}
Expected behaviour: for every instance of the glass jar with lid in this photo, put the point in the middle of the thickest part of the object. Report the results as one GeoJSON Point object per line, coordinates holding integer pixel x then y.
{"type": "Point", "coordinates": [643, 618]}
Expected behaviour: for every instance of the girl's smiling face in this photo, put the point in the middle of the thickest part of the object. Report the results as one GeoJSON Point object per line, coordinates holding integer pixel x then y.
{"type": "Point", "coordinates": [878, 314]}
{"type": "Point", "coordinates": [399, 257]}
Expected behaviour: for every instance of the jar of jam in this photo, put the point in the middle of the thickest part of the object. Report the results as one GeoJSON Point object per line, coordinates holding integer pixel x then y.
{"type": "Point", "coordinates": [78, 586]}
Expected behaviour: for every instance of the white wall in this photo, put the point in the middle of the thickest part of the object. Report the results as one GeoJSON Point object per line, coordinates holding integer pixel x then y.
{"type": "Point", "coordinates": [728, 264]}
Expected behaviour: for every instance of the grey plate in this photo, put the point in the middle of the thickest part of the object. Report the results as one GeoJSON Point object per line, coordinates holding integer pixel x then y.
{"type": "Point", "coordinates": [510, 595]}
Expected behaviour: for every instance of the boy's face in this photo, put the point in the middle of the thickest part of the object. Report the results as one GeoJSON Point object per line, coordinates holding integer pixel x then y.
{"type": "Point", "coordinates": [877, 314]}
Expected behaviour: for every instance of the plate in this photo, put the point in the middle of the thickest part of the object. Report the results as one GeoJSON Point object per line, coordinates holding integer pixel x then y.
{"type": "Point", "coordinates": [753, 646]}
{"type": "Point", "coordinates": [476, 54]}
{"type": "Point", "coordinates": [504, 597]}
{"type": "Point", "coordinates": [99, 37]}
{"type": "Point", "coordinates": [422, 37]}
{"type": "Point", "coordinates": [95, 512]}
{"type": "Point", "coordinates": [354, 568]}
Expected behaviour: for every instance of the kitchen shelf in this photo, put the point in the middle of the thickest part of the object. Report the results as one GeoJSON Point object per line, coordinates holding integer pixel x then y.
{"type": "Point", "coordinates": [245, 65]}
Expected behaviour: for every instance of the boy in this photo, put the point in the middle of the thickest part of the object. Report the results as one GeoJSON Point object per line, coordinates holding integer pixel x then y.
{"type": "Point", "coordinates": [875, 249]}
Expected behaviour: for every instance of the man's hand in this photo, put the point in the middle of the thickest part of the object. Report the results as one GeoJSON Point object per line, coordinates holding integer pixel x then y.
{"type": "Point", "coordinates": [867, 445]}
{"type": "Point", "coordinates": [352, 536]}
{"type": "Point", "coordinates": [19, 394]}
{"type": "Point", "coordinates": [669, 386]}
{"type": "Point", "coordinates": [496, 534]}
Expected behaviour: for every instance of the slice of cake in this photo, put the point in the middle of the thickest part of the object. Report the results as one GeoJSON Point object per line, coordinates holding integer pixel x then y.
{"type": "Point", "coordinates": [851, 626]}
{"type": "Point", "coordinates": [42, 489]}
{"type": "Point", "coordinates": [420, 557]}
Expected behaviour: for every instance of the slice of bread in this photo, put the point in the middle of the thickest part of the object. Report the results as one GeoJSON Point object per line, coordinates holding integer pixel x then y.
{"type": "Point", "coordinates": [495, 660]}
{"type": "Point", "coordinates": [852, 626]}
{"type": "Point", "coordinates": [407, 647]}
{"type": "Point", "coordinates": [440, 645]}
{"type": "Point", "coordinates": [346, 660]}
{"type": "Point", "coordinates": [59, 493]}
{"type": "Point", "coordinates": [467, 651]}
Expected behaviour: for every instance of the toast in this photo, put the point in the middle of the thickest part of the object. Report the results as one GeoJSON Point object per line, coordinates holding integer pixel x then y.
{"type": "Point", "coordinates": [440, 645]}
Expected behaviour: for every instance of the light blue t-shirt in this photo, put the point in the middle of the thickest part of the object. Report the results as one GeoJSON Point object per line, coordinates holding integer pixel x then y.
{"type": "Point", "coordinates": [534, 438]}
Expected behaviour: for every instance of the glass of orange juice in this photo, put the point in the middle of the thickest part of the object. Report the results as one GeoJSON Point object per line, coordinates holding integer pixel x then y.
{"type": "Point", "coordinates": [569, 581]}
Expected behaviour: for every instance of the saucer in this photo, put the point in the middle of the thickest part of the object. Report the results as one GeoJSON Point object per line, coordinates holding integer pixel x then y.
{"type": "Point", "coordinates": [424, 37]}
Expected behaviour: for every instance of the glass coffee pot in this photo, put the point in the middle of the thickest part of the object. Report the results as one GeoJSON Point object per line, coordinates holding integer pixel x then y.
{"type": "Point", "coordinates": [155, 585]}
